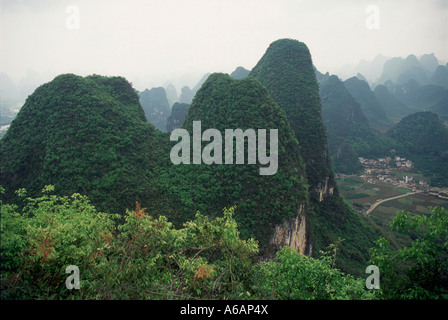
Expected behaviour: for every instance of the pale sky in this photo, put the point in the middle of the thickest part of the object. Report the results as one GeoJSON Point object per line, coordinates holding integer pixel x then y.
{"type": "Point", "coordinates": [151, 42]}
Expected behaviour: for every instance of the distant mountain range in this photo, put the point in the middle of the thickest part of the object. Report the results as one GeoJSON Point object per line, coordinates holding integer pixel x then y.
{"type": "Point", "coordinates": [397, 69]}
{"type": "Point", "coordinates": [365, 123]}
{"type": "Point", "coordinates": [372, 108]}
{"type": "Point", "coordinates": [156, 107]}
{"type": "Point", "coordinates": [350, 134]}
{"type": "Point", "coordinates": [400, 70]}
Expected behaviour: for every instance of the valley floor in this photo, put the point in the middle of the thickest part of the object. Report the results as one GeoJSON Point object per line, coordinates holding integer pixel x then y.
{"type": "Point", "coordinates": [382, 200]}
{"type": "Point", "coordinates": [379, 202]}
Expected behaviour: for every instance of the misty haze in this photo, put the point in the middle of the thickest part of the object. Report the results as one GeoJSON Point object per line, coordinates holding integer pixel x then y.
{"type": "Point", "coordinates": [101, 200]}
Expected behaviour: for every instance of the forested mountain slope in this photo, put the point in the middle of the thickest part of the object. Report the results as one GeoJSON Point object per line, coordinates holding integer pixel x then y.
{"type": "Point", "coordinates": [349, 133]}
{"type": "Point", "coordinates": [287, 71]}
{"type": "Point", "coordinates": [262, 202]}
{"type": "Point", "coordinates": [83, 135]}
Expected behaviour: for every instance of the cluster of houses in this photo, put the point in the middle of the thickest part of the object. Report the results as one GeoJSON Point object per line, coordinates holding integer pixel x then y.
{"type": "Point", "coordinates": [400, 162]}
{"type": "Point", "coordinates": [381, 170]}
{"type": "Point", "coordinates": [396, 162]}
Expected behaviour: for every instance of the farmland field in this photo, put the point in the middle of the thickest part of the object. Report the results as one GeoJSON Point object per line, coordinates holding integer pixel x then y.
{"type": "Point", "coordinates": [361, 195]}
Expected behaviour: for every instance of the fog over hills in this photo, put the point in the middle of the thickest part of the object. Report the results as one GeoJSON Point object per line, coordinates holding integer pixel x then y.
{"type": "Point", "coordinates": [224, 150]}
{"type": "Point", "coordinates": [152, 42]}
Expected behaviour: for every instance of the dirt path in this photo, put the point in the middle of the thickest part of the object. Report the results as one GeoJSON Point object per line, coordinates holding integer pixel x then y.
{"type": "Point", "coordinates": [376, 204]}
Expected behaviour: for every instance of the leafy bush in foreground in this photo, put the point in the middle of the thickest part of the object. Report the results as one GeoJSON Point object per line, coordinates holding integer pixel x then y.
{"type": "Point", "coordinates": [142, 258]}
{"type": "Point", "coordinates": [419, 270]}
{"type": "Point", "coordinates": [145, 257]}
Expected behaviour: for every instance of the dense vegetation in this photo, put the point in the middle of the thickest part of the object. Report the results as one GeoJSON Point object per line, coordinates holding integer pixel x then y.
{"type": "Point", "coordinates": [424, 139]}
{"type": "Point", "coordinates": [349, 133]}
{"type": "Point", "coordinates": [287, 72]}
{"type": "Point", "coordinates": [145, 257]}
{"type": "Point", "coordinates": [420, 269]}
{"type": "Point", "coordinates": [370, 105]}
{"type": "Point", "coordinates": [262, 201]}
{"type": "Point", "coordinates": [83, 135]}
{"type": "Point", "coordinates": [142, 258]}
{"type": "Point", "coordinates": [204, 231]}
{"type": "Point", "coordinates": [351, 136]}
{"type": "Point", "coordinates": [177, 117]}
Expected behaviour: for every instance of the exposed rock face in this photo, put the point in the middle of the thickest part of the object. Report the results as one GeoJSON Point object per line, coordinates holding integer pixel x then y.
{"type": "Point", "coordinates": [293, 233]}
{"type": "Point", "coordinates": [325, 190]}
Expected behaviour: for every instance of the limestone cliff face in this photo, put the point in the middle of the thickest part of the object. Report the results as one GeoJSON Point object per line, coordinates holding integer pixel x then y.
{"type": "Point", "coordinates": [325, 190]}
{"type": "Point", "coordinates": [293, 233]}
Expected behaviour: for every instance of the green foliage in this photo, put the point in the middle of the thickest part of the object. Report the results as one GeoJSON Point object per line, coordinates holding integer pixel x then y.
{"type": "Point", "coordinates": [293, 276]}
{"type": "Point", "coordinates": [287, 72]}
{"type": "Point", "coordinates": [333, 219]}
{"type": "Point", "coordinates": [370, 105]}
{"type": "Point", "coordinates": [349, 133]}
{"type": "Point", "coordinates": [421, 133]}
{"type": "Point", "coordinates": [419, 270]}
{"type": "Point", "coordinates": [262, 201]}
{"type": "Point", "coordinates": [47, 235]}
{"type": "Point", "coordinates": [83, 135]}
{"type": "Point", "coordinates": [143, 257]}
{"type": "Point", "coordinates": [177, 116]}
{"type": "Point", "coordinates": [90, 136]}
{"type": "Point", "coordinates": [152, 260]}
{"type": "Point", "coordinates": [423, 138]}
